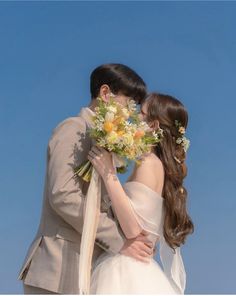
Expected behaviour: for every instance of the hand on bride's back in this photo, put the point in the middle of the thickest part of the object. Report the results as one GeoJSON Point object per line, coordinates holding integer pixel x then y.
{"type": "Point", "coordinates": [140, 248]}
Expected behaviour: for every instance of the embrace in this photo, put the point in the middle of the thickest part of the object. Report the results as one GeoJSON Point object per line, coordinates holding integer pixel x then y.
{"type": "Point", "coordinates": [101, 236]}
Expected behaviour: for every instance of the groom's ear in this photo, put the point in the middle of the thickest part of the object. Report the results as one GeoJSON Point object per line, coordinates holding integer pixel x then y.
{"type": "Point", "coordinates": [104, 92]}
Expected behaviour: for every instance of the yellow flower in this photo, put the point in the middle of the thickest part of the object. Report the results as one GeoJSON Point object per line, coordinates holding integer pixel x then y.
{"type": "Point", "coordinates": [112, 137]}
{"type": "Point", "coordinates": [182, 130]}
{"type": "Point", "coordinates": [120, 132]}
{"type": "Point", "coordinates": [131, 152]}
{"type": "Point", "coordinates": [108, 126]}
{"type": "Point", "coordinates": [128, 139]}
{"type": "Point", "coordinates": [118, 120]}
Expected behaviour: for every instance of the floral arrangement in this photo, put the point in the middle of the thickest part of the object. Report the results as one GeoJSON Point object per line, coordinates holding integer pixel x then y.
{"type": "Point", "coordinates": [118, 129]}
{"type": "Point", "coordinates": [182, 140]}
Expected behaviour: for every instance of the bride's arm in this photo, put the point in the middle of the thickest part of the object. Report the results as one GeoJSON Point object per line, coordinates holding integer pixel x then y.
{"type": "Point", "coordinates": [101, 160]}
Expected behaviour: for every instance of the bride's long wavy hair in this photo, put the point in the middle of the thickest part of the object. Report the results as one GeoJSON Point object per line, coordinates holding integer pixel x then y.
{"type": "Point", "coordinates": [166, 109]}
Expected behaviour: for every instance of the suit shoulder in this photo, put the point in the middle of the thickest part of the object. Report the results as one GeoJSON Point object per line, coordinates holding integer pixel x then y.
{"type": "Point", "coordinates": [70, 130]}
{"type": "Point", "coordinates": [70, 124]}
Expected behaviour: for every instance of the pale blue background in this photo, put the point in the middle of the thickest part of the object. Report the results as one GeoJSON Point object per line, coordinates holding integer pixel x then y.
{"type": "Point", "coordinates": [186, 49]}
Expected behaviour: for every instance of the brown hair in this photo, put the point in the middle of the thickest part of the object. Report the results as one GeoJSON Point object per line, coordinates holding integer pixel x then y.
{"type": "Point", "coordinates": [120, 78]}
{"type": "Point", "coordinates": [166, 109]}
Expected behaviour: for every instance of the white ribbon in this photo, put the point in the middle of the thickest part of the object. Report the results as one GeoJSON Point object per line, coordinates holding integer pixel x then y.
{"type": "Point", "coordinates": [91, 214]}
{"type": "Point", "coordinates": [173, 265]}
{"type": "Point", "coordinates": [91, 218]}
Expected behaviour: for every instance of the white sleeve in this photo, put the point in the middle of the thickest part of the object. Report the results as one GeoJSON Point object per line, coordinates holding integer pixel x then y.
{"type": "Point", "coordinates": [146, 206]}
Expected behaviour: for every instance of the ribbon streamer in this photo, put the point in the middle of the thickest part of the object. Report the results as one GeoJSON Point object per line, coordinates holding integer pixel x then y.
{"type": "Point", "coordinates": [91, 219]}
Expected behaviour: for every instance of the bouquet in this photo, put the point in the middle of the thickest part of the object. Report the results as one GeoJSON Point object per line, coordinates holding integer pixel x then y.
{"type": "Point", "coordinates": [119, 130]}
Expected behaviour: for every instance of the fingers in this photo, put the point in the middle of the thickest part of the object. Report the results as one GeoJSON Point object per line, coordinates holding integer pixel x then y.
{"type": "Point", "coordinates": [149, 245]}
{"type": "Point", "coordinates": [142, 244]}
{"type": "Point", "coordinates": [144, 240]}
{"type": "Point", "coordinates": [147, 250]}
{"type": "Point", "coordinates": [92, 160]}
{"type": "Point", "coordinates": [92, 154]}
{"type": "Point", "coordinates": [137, 250]}
{"type": "Point", "coordinates": [144, 232]}
{"type": "Point", "coordinates": [145, 255]}
{"type": "Point", "coordinates": [99, 151]}
{"type": "Point", "coordinates": [141, 256]}
{"type": "Point", "coordinates": [143, 259]}
{"type": "Point", "coordinates": [96, 150]}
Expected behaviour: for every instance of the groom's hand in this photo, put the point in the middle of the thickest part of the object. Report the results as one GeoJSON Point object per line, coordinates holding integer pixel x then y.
{"type": "Point", "coordinates": [140, 248]}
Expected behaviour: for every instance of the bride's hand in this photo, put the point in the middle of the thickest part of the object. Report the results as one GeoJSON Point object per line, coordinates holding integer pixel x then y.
{"type": "Point", "coordinates": [101, 159]}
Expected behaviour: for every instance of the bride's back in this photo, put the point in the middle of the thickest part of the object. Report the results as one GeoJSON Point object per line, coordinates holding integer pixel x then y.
{"type": "Point", "coordinates": [150, 172]}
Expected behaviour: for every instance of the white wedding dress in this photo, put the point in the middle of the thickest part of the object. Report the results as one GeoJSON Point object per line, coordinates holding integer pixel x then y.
{"type": "Point", "coordinates": [120, 274]}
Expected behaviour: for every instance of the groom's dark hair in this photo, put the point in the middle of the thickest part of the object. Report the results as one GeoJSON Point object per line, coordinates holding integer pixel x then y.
{"type": "Point", "coordinates": [120, 79]}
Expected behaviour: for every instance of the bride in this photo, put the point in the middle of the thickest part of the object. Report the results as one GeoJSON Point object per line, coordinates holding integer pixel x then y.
{"type": "Point", "coordinates": [153, 200]}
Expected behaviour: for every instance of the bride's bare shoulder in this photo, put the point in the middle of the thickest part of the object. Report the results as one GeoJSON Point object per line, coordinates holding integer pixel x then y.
{"type": "Point", "coordinates": [151, 159]}
{"type": "Point", "coordinates": [150, 172]}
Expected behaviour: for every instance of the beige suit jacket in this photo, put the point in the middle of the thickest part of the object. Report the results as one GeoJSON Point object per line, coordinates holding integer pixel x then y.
{"type": "Point", "coordinates": [52, 261]}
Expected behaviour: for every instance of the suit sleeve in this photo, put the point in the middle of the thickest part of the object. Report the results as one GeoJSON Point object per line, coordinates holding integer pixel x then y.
{"type": "Point", "coordinates": [68, 148]}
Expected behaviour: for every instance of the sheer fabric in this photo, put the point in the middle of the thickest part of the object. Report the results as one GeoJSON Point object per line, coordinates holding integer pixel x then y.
{"type": "Point", "coordinates": [119, 274]}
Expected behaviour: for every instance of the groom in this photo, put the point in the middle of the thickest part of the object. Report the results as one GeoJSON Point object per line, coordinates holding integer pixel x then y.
{"type": "Point", "coordinates": [51, 265]}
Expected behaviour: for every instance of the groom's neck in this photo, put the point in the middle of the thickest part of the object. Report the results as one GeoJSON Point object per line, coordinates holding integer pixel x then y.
{"type": "Point", "coordinates": [93, 104]}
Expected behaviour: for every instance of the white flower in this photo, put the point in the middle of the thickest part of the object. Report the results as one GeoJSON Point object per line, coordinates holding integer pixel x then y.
{"type": "Point", "coordinates": [102, 142]}
{"type": "Point", "coordinates": [179, 141]}
{"type": "Point", "coordinates": [109, 116]}
{"type": "Point", "coordinates": [145, 127]}
{"type": "Point", "coordinates": [100, 118]}
{"type": "Point", "coordinates": [125, 113]}
{"type": "Point", "coordinates": [185, 144]}
{"type": "Point", "coordinates": [112, 109]}
{"type": "Point", "coordinates": [131, 105]}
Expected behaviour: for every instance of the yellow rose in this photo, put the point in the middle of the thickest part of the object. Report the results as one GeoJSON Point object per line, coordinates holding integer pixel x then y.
{"type": "Point", "coordinates": [108, 126]}
{"type": "Point", "coordinates": [128, 139]}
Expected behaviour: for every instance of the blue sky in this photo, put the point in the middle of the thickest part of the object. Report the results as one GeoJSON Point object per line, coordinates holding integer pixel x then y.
{"type": "Point", "coordinates": [187, 49]}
